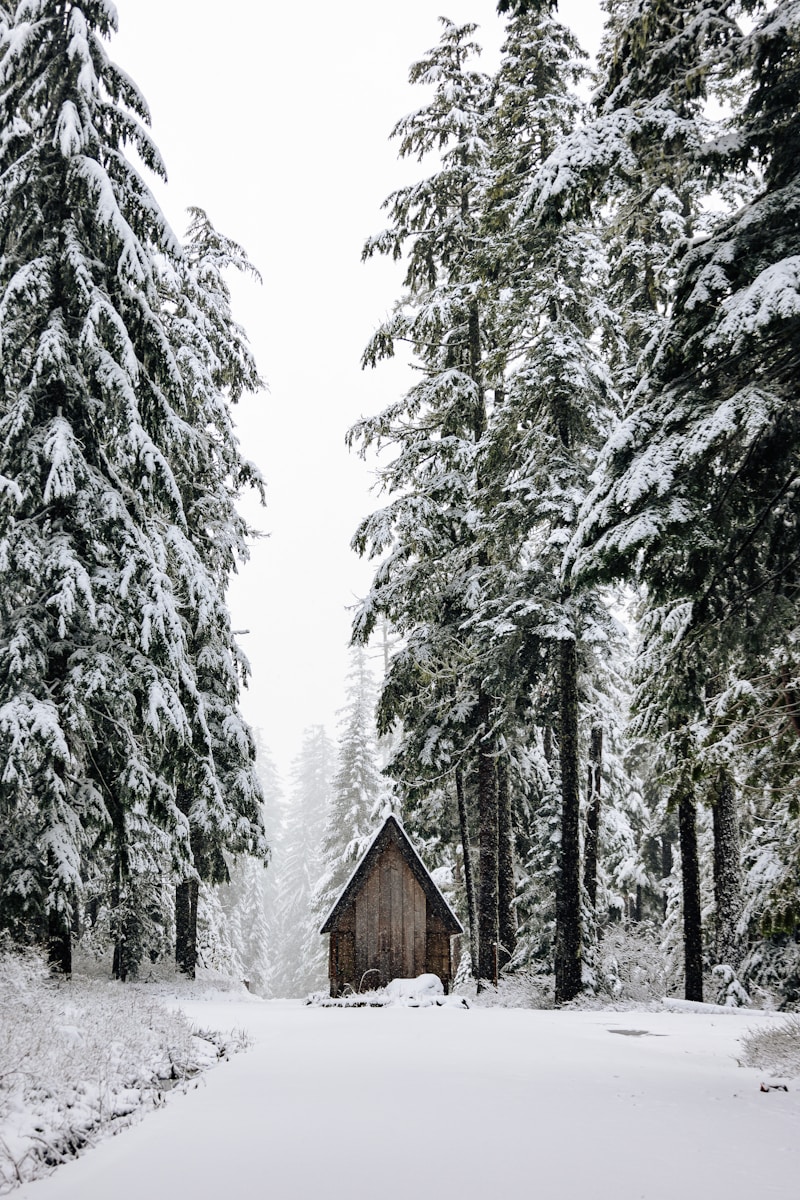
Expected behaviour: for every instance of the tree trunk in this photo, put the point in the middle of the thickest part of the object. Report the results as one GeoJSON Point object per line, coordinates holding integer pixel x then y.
{"type": "Point", "coordinates": [125, 963]}
{"type": "Point", "coordinates": [487, 807]}
{"type": "Point", "coordinates": [568, 894]}
{"type": "Point", "coordinates": [186, 894]}
{"type": "Point", "coordinates": [692, 922]}
{"type": "Point", "coordinates": [469, 880]}
{"type": "Point", "coordinates": [59, 943]}
{"type": "Point", "coordinates": [666, 863]}
{"type": "Point", "coordinates": [476, 371]}
{"type": "Point", "coordinates": [593, 815]}
{"type": "Point", "coordinates": [118, 964]}
{"type": "Point", "coordinates": [727, 873]}
{"type": "Point", "coordinates": [548, 746]}
{"type": "Point", "coordinates": [507, 916]}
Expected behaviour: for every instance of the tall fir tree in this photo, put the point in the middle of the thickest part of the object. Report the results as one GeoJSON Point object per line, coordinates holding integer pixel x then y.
{"type": "Point", "coordinates": [429, 583]}
{"type": "Point", "coordinates": [359, 790]}
{"type": "Point", "coordinates": [219, 794]}
{"type": "Point", "coordinates": [300, 949]}
{"type": "Point", "coordinates": [100, 699]}
{"type": "Point", "coordinates": [543, 436]}
{"type": "Point", "coordinates": [698, 484]}
{"type": "Point", "coordinates": [268, 962]}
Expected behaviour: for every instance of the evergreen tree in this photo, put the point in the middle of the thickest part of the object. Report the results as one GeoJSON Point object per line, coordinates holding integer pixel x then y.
{"type": "Point", "coordinates": [217, 939]}
{"type": "Point", "coordinates": [102, 693]}
{"type": "Point", "coordinates": [698, 491]}
{"type": "Point", "coordinates": [358, 789]}
{"type": "Point", "coordinates": [244, 904]}
{"type": "Point", "coordinates": [300, 951]}
{"type": "Point", "coordinates": [274, 813]}
{"type": "Point", "coordinates": [543, 437]}
{"type": "Point", "coordinates": [429, 584]}
{"type": "Point", "coordinates": [220, 794]}
{"type": "Point", "coordinates": [495, 449]}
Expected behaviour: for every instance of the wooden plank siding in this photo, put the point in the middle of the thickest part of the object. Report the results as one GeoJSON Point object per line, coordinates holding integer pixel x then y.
{"type": "Point", "coordinates": [410, 889]}
{"type": "Point", "coordinates": [368, 947]}
{"type": "Point", "coordinates": [437, 947]}
{"type": "Point", "coordinates": [420, 934]}
{"type": "Point", "coordinates": [390, 925]}
{"type": "Point", "coordinates": [390, 922]}
{"type": "Point", "coordinates": [397, 959]}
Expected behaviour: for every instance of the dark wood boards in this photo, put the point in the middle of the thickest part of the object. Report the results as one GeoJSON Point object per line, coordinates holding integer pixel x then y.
{"type": "Point", "coordinates": [391, 922]}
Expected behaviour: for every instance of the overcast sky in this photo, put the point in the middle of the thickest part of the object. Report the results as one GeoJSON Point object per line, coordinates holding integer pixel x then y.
{"type": "Point", "coordinates": [275, 119]}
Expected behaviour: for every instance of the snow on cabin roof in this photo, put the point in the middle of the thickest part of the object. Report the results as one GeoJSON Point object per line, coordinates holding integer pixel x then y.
{"type": "Point", "coordinates": [392, 829]}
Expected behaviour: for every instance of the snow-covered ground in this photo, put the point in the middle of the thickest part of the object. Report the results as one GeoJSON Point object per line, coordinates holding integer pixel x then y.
{"type": "Point", "coordinates": [392, 1103]}
{"type": "Point", "coordinates": [82, 1058]}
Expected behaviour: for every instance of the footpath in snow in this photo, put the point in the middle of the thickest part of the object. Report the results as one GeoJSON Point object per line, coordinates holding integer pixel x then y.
{"type": "Point", "coordinates": [395, 1103]}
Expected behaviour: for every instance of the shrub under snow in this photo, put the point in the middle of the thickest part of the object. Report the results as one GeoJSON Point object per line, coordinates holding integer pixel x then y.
{"type": "Point", "coordinates": [775, 1048]}
{"type": "Point", "coordinates": [630, 965]}
{"type": "Point", "coordinates": [79, 1056]}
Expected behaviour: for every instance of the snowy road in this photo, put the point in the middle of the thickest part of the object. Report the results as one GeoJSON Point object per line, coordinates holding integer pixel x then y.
{"type": "Point", "coordinates": [390, 1104]}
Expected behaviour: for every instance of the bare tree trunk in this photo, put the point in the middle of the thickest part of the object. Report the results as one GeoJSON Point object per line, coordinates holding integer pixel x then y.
{"type": "Point", "coordinates": [385, 645]}
{"type": "Point", "coordinates": [469, 880]}
{"type": "Point", "coordinates": [593, 815]}
{"type": "Point", "coordinates": [548, 747]}
{"type": "Point", "coordinates": [487, 807]}
{"type": "Point", "coordinates": [186, 894]}
{"type": "Point", "coordinates": [568, 893]}
{"type": "Point", "coordinates": [59, 943]}
{"type": "Point", "coordinates": [666, 864]}
{"type": "Point", "coordinates": [507, 921]}
{"type": "Point", "coordinates": [119, 962]}
{"type": "Point", "coordinates": [692, 921]}
{"type": "Point", "coordinates": [727, 873]}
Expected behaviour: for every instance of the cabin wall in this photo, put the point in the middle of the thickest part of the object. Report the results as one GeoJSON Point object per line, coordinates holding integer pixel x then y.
{"type": "Point", "coordinates": [388, 932]}
{"type": "Point", "coordinates": [342, 951]}
{"type": "Point", "coordinates": [390, 923]}
{"type": "Point", "coordinates": [438, 958]}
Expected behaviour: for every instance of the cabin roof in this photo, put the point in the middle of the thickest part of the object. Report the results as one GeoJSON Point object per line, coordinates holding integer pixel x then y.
{"type": "Point", "coordinates": [392, 832]}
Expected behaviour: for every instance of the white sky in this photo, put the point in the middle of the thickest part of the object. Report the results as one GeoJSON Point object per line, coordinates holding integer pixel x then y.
{"type": "Point", "coordinates": [274, 117]}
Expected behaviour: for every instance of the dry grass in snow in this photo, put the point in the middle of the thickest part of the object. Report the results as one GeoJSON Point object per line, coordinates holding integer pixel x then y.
{"type": "Point", "coordinates": [775, 1049]}
{"type": "Point", "coordinates": [80, 1057]}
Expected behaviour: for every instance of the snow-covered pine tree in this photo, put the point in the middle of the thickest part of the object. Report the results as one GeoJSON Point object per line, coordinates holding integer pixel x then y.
{"type": "Point", "coordinates": [272, 791]}
{"type": "Point", "coordinates": [699, 488]}
{"type": "Point", "coordinates": [495, 445]}
{"type": "Point", "coordinates": [300, 950]}
{"type": "Point", "coordinates": [244, 904]}
{"type": "Point", "coordinates": [539, 826]}
{"type": "Point", "coordinates": [631, 160]}
{"type": "Point", "coordinates": [543, 435]}
{"type": "Point", "coordinates": [219, 790]}
{"type": "Point", "coordinates": [358, 789]}
{"type": "Point", "coordinates": [99, 696]}
{"type": "Point", "coordinates": [217, 937]}
{"type": "Point", "coordinates": [431, 580]}
{"type": "Point", "coordinates": [737, 307]}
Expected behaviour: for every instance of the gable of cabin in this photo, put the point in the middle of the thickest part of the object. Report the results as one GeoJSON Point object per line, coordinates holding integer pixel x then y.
{"type": "Point", "coordinates": [391, 921]}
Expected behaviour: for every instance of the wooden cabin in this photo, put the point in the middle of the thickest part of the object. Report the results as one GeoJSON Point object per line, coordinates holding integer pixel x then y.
{"type": "Point", "coordinates": [391, 921]}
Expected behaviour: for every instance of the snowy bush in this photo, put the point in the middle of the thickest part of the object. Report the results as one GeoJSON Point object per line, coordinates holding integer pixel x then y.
{"type": "Point", "coordinates": [775, 1048]}
{"type": "Point", "coordinates": [526, 988]}
{"type": "Point", "coordinates": [630, 965]}
{"type": "Point", "coordinates": [79, 1056]}
{"type": "Point", "coordinates": [729, 990]}
{"type": "Point", "coordinates": [771, 972]}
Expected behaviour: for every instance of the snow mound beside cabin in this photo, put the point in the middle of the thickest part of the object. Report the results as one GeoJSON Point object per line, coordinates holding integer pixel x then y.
{"type": "Point", "coordinates": [426, 991]}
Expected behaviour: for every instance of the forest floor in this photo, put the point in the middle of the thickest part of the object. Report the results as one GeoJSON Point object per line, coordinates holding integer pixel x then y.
{"type": "Point", "coordinates": [350, 1104]}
